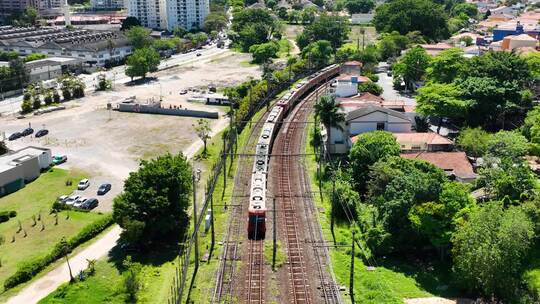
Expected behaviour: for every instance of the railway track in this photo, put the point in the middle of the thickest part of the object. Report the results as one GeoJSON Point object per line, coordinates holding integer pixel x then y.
{"type": "Point", "coordinates": [255, 275]}
{"type": "Point", "coordinates": [227, 274]}
{"type": "Point", "coordinates": [298, 217]}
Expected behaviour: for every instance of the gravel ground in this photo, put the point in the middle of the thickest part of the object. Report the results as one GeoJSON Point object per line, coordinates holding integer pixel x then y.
{"type": "Point", "coordinates": [109, 144]}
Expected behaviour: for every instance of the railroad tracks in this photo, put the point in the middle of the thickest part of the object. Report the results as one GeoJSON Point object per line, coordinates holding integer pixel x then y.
{"type": "Point", "coordinates": [298, 219]}
{"type": "Point", "coordinates": [255, 278]}
{"type": "Point", "coordinates": [226, 289]}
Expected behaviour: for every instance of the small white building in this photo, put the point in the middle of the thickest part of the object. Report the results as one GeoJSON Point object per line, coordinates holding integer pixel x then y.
{"type": "Point", "coordinates": [22, 166]}
{"type": "Point", "coordinates": [347, 85]}
{"type": "Point", "coordinates": [367, 119]}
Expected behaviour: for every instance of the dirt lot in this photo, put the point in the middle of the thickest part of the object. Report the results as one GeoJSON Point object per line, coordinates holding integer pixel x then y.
{"type": "Point", "coordinates": [109, 144]}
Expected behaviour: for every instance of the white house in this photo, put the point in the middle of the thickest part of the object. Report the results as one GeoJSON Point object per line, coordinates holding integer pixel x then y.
{"type": "Point", "coordinates": [367, 119]}
{"type": "Point", "coordinates": [347, 85]}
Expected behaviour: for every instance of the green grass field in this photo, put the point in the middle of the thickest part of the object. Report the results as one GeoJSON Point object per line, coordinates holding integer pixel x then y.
{"type": "Point", "coordinates": [393, 279]}
{"type": "Point", "coordinates": [95, 289]}
{"type": "Point", "coordinates": [36, 198]}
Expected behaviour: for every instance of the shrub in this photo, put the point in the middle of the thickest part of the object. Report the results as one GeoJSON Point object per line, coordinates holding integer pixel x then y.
{"type": "Point", "coordinates": [370, 87]}
{"type": "Point", "coordinates": [56, 97]}
{"type": "Point", "coordinates": [48, 99]}
{"type": "Point", "coordinates": [29, 269]}
{"type": "Point", "coordinates": [6, 215]}
{"type": "Point", "coordinates": [67, 94]}
{"type": "Point", "coordinates": [37, 103]}
{"type": "Point", "coordinates": [26, 106]}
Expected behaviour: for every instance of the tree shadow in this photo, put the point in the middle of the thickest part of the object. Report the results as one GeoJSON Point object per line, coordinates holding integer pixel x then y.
{"type": "Point", "coordinates": [140, 81]}
{"type": "Point", "coordinates": [431, 274]}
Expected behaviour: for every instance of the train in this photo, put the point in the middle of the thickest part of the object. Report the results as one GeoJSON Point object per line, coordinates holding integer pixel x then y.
{"type": "Point", "coordinates": [259, 175]}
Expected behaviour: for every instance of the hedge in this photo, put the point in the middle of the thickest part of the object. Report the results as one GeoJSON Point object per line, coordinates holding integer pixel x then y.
{"type": "Point", "coordinates": [28, 270]}
{"type": "Point", "coordinates": [6, 215]}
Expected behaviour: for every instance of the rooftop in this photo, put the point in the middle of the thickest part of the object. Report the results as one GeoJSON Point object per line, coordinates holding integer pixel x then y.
{"type": "Point", "coordinates": [363, 111]}
{"type": "Point", "coordinates": [13, 159]}
{"type": "Point", "coordinates": [451, 162]}
{"type": "Point", "coordinates": [429, 138]}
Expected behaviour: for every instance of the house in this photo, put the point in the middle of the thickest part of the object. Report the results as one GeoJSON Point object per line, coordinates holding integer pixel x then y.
{"type": "Point", "coordinates": [512, 42]}
{"type": "Point", "coordinates": [502, 10]}
{"type": "Point", "coordinates": [428, 141]}
{"type": "Point", "coordinates": [366, 119]}
{"type": "Point", "coordinates": [454, 164]}
{"type": "Point", "coordinates": [216, 99]}
{"type": "Point", "coordinates": [347, 85]}
{"type": "Point", "coordinates": [22, 166]}
{"type": "Point", "coordinates": [351, 68]}
{"type": "Point", "coordinates": [436, 48]}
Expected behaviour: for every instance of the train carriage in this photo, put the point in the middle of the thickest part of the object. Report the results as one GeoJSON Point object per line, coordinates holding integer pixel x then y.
{"type": "Point", "coordinates": [257, 200]}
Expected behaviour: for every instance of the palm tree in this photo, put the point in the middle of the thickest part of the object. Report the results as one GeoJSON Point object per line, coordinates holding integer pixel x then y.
{"type": "Point", "coordinates": [327, 110]}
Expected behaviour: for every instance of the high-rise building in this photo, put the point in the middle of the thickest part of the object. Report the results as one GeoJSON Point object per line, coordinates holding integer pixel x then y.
{"type": "Point", "coordinates": [46, 8]}
{"type": "Point", "coordinates": [169, 14]}
{"type": "Point", "coordinates": [106, 4]}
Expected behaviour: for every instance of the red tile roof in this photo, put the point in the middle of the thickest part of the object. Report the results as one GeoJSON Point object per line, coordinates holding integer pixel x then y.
{"type": "Point", "coordinates": [429, 138]}
{"type": "Point", "coordinates": [455, 162]}
{"type": "Point", "coordinates": [354, 62]}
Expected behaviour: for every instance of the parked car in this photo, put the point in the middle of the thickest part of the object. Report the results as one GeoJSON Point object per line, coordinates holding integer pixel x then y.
{"type": "Point", "coordinates": [15, 136]}
{"type": "Point", "coordinates": [59, 159]}
{"type": "Point", "coordinates": [183, 92]}
{"type": "Point", "coordinates": [199, 54]}
{"type": "Point", "coordinates": [27, 131]}
{"type": "Point", "coordinates": [103, 189]}
{"type": "Point", "coordinates": [83, 184]}
{"type": "Point", "coordinates": [78, 203]}
{"type": "Point", "coordinates": [72, 199]}
{"type": "Point", "coordinates": [42, 133]}
{"type": "Point", "coordinates": [90, 203]}
{"type": "Point", "coordinates": [62, 199]}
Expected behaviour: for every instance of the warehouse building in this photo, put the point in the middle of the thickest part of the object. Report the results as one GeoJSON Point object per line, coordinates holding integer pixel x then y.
{"type": "Point", "coordinates": [22, 166]}
{"type": "Point", "coordinates": [91, 47]}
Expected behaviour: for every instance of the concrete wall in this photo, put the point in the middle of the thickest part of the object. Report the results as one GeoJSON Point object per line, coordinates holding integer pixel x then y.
{"type": "Point", "coordinates": [129, 107]}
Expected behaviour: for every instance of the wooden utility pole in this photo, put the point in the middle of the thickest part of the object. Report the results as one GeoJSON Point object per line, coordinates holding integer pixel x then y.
{"type": "Point", "coordinates": [195, 179]}
{"type": "Point", "coordinates": [351, 278]}
{"type": "Point", "coordinates": [224, 156]}
{"type": "Point", "coordinates": [212, 223]}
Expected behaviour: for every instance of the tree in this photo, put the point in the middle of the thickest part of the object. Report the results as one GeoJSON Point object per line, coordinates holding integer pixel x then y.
{"type": "Point", "coordinates": [317, 53]}
{"type": "Point", "coordinates": [489, 250]}
{"type": "Point", "coordinates": [438, 220]}
{"type": "Point", "coordinates": [282, 13]}
{"type": "Point", "coordinates": [327, 111]}
{"type": "Point", "coordinates": [395, 186]}
{"type": "Point", "coordinates": [474, 141]}
{"type": "Point", "coordinates": [264, 52]}
{"type": "Point", "coordinates": [507, 144]}
{"type": "Point", "coordinates": [412, 15]}
{"type": "Point", "coordinates": [359, 6]}
{"type": "Point", "coordinates": [130, 22]}
{"type": "Point", "coordinates": [441, 100]}
{"type": "Point", "coordinates": [179, 32]}
{"type": "Point", "coordinates": [34, 56]}
{"type": "Point", "coordinates": [203, 131]}
{"type": "Point", "coordinates": [391, 44]}
{"type": "Point", "coordinates": [253, 26]}
{"type": "Point", "coordinates": [507, 180]}
{"type": "Point", "coordinates": [367, 150]}
{"type": "Point", "coordinates": [308, 14]}
{"type": "Point", "coordinates": [157, 197]}
{"type": "Point", "coordinates": [468, 9]}
{"type": "Point", "coordinates": [412, 66]}
{"type": "Point", "coordinates": [132, 279]}
{"type": "Point", "coordinates": [531, 130]}
{"type": "Point", "coordinates": [139, 37]}
{"type": "Point", "coordinates": [344, 200]}
{"type": "Point", "coordinates": [446, 66]}
{"type": "Point", "coordinates": [103, 83]}
{"type": "Point", "coordinates": [197, 39]}
{"type": "Point", "coordinates": [370, 87]}
{"type": "Point", "coordinates": [533, 61]}
{"type": "Point", "coordinates": [334, 29]}
{"type": "Point", "coordinates": [141, 62]}
{"type": "Point", "coordinates": [215, 21]}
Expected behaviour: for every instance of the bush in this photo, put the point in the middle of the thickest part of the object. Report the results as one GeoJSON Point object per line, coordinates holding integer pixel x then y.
{"type": "Point", "coordinates": [37, 103]}
{"type": "Point", "coordinates": [67, 94]}
{"type": "Point", "coordinates": [26, 106]}
{"type": "Point", "coordinates": [6, 215]}
{"type": "Point", "coordinates": [31, 268]}
{"type": "Point", "coordinates": [56, 97]}
{"type": "Point", "coordinates": [370, 87]}
{"type": "Point", "coordinates": [48, 99]}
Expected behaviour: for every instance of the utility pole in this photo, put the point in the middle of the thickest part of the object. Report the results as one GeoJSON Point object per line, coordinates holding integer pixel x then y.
{"type": "Point", "coordinates": [332, 203]}
{"type": "Point", "coordinates": [224, 157]}
{"type": "Point", "coordinates": [212, 224]}
{"type": "Point", "coordinates": [195, 179]}
{"type": "Point", "coordinates": [274, 236]}
{"type": "Point", "coordinates": [351, 278]}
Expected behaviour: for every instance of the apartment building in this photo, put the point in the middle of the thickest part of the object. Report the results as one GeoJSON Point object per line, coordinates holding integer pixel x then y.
{"type": "Point", "coordinates": [107, 4]}
{"type": "Point", "coordinates": [46, 8]}
{"type": "Point", "coordinates": [169, 14]}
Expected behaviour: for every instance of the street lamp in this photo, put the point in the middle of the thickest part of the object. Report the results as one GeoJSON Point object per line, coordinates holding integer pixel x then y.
{"type": "Point", "coordinates": [196, 177]}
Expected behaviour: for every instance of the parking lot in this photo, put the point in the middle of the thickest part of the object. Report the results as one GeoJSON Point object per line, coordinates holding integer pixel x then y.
{"type": "Point", "coordinates": [108, 145]}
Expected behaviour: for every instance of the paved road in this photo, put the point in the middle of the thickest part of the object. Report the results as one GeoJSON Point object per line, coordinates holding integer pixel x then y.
{"type": "Point", "coordinates": [118, 76]}
{"type": "Point", "coordinates": [389, 93]}
{"type": "Point", "coordinates": [101, 247]}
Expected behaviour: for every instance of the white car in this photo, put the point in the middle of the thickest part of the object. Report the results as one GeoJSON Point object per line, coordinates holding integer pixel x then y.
{"type": "Point", "coordinates": [78, 203]}
{"type": "Point", "coordinates": [83, 184]}
{"type": "Point", "coordinates": [62, 199]}
{"type": "Point", "coordinates": [72, 199]}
